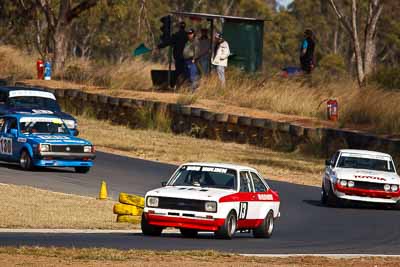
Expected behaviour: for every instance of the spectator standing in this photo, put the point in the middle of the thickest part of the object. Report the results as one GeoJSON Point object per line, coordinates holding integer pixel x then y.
{"type": "Point", "coordinates": [189, 54]}
{"type": "Point", "coordinates": [307, 52]}
{"type": "Point", "coordinates": [178, 41]}
{"type": "Point", "coordinates": [221, 54]}
{"type": "Point", "coordinates": [204, 52]}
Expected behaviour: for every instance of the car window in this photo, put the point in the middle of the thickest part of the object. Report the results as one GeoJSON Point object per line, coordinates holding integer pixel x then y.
{"type": "Point", "coordinates": [3, 97]}
{"type": "Point", "coordinates": [2, 124]}
{"type": "Point", "coordinates": [245, 185]}
{"type": "Point", "coordinates": [11, 124]}
{"type": "Point", "coordinates": [258, 184]}
{"type": "Point", "coordinates": [335, 158]}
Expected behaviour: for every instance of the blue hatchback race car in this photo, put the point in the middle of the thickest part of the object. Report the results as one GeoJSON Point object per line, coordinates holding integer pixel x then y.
{"type": "Point", "coordinates": [36, 140]}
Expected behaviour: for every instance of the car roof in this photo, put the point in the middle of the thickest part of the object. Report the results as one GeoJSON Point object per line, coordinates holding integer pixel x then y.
{"type": "Point", "coordinates": [220, 165]}
{"type": "Point", "coordinates": [368, 152]}
{"type": "Point", "coordinates": [15, 88]}
{"type": "Point", "coordinates": [25, 114]}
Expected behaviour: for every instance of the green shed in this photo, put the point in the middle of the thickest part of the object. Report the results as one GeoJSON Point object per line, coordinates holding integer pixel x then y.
{"type": "Point", "coordinates": [245, 38]}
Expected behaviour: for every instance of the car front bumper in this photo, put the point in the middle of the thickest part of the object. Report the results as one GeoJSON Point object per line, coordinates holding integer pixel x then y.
{"type": "Point", "coordinates": [183, 219]}
{"type": "Point", "coordinates": [66, 156]}
{"type": "Point", "coordinates": [365, 195]}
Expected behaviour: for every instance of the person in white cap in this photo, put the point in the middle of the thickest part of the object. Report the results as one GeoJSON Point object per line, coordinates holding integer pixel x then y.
{"type": "Point", "coordinates": [221, 54]}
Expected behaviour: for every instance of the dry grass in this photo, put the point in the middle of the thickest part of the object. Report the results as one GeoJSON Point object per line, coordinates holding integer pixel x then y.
{"type": "Point", "coordinates": [15, 64]}
{"type": "Point", "coordinates": [38, 256]}
{"type": "Point", "coordinates": [28, 207]}
{"type": "Point", "coordinates": [166, 147]}
{"type": "Point", "coordinates": [369, 108]}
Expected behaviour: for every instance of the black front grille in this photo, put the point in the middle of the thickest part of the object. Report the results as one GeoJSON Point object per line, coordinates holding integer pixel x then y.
{"type": "Point", "coordinates": [67, 149]}
{"type": "Point", "coordinates": [369, 186]}
{"type": "Point", "coordinates": [181, 204]}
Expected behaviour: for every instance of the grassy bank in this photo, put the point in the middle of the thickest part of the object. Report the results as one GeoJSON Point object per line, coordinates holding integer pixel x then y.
{"type": "Point", "coordinates": [28, 207]}
{"type": "Point", "coordinates": [38, 256]}
{"type": "Point", "coordinates": [369, 108]}
{"type": "Point", "coordinates": [167, 147]}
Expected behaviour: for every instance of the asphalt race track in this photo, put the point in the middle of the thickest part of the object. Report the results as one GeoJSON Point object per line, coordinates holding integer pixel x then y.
{"type": "Point", "coordinates": [304, 226]}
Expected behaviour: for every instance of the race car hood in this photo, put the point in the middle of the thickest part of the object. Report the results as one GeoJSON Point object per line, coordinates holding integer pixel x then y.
{"type": "Point", "coordinates": [191, 192]}
{"type": "Point", "coordinates": [55, 139]}
{"type": "Point", "coordinates": [367, 176]}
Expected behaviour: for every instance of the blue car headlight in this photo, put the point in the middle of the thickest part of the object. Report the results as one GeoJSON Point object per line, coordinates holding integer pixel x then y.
{"type": "Point", "coordinates": [44, 148]}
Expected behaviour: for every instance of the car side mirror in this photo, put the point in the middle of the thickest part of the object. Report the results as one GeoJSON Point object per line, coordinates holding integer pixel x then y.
{"type": "Point", "coordinates": [164, 183]}
{"type": "Point", "coordinates": [14, 132]}
{"type": "Point", "coordinates": [328, 162]}
{"type": "Point", "coordinates": [75, 133]}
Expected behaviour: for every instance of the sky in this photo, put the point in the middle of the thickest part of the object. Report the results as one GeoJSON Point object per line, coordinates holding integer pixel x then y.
{"type": "Point", "coordinates": [285, 2]}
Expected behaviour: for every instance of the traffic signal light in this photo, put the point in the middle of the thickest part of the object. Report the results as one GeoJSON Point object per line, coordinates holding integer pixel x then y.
{"type": "Point", "coordinates": [165, 28]}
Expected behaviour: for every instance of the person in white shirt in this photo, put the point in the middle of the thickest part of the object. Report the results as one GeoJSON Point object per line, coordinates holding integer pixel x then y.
{"type": "Point", "coordinates": [221, 54]}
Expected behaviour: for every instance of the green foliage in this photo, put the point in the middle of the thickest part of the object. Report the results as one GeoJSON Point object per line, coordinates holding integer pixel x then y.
{"type": "Point", "coordinates": [387, 77]}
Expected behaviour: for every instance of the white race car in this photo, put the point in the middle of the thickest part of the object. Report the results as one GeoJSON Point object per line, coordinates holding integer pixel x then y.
{"type": "Point", "coordinates": [211, 197]}
{"type": "Point", "coordinates": [360, 175]}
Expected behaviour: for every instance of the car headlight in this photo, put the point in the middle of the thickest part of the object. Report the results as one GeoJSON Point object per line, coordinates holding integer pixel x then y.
{"type": "Point", "coordinates": [210, 206]}
{"type": "Point", "coordinates": [44, 147]}
{"type": "Point", "coordinates": [152, 202]}
{"type": "Point", "coordinates": [70, 124]}
{"type": "Point", "coordinates": [350, 183]}
{"type": "Point", "coordinates": [394, 188]}
{"type": "Point", "coordinates": [87, 149]}
{"type": "Point", "coordinates": [386, 187]}
{"type": "Point", "coordinates": [343, 183]}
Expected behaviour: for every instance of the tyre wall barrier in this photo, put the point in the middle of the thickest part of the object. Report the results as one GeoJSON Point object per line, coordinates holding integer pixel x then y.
{"type": "Point", "coordinates": [201, 123]}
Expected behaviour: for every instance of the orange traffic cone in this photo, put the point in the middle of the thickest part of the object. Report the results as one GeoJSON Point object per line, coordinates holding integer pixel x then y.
{"type": "Point", "coordinates": [103, 191]}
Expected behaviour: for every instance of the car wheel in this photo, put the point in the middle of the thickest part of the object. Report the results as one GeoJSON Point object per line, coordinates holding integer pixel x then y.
{"type": "Point", "coordinates": [332, 200]}
{"type": "Point", "coordinates": [148, 229]}
{"type": "Point", "coordinates": [191, 233]}
{"type": "Point", "coordinates": [266, 228]}
{"type": "Point", "coordinates": [228, 229]}
{"type": "Point", "coordinates": [324, 196]}
{"type": "Point", "coordinates": [25, 161]}
{"type": "Point", "coordinates": [82, 169]}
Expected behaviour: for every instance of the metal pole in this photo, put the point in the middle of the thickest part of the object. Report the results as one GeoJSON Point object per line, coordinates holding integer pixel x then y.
{"type": "Point", "coordinates": [170, 58]}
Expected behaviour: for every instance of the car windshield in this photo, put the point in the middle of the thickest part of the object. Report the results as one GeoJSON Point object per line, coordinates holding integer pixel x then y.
{"type": "Point", "coordinates": [366, 163]}
{"type": "Point", "coordinates": [42, 125]}
{"type": "Point", "coordinates": [203, 176]}
{"type": "Point", "coordinates": [40, 103]}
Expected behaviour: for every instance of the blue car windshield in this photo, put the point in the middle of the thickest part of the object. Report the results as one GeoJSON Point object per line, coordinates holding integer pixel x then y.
{"type": "Point", "coordinates": [41, 125]}
{"type": "Point", "coordinates": [204, 176]}
{"type": "Point", "coordinates": [33, 102]}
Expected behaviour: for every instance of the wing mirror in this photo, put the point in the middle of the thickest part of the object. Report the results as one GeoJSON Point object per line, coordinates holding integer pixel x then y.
{"type": "Point", "coordinates": [75, 132]}
{"type": "Point", "coordinates": [14, 132]}
{"type": "Point", "coordinates": [164, 183]}
{"type": "Point", "coordinates": [328, 162]}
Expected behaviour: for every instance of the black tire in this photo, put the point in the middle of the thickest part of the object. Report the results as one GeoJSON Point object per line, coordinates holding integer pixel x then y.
{"type": "Point", "coordinates": [25, 161]}
{"type": "Point", "coordinates": [82, 169]}
{"type": "Point", "coordinates": [148, 229]}
{"type": "Point", "coordinates": [228, 229]}
{"type": "Point", "coordinates": [331, 199]}
{"type": "Point", "coordinates": [324, 196]}
{"type": "Point", "coordinates": [266, 228]}
{"type": "Point", "coordinates": [190, 233]}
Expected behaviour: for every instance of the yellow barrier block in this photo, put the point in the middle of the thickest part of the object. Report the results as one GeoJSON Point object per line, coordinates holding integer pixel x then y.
{"type": "Point", "coordinates": [123, 209]}
{"type": "Point", "coordinates": [129, 219]}
{"type": "Point", "coordinates": [129, 199]}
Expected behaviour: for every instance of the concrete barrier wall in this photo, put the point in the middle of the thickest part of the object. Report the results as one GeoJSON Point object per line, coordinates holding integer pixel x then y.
{"type": "Point", "coordinates": [201, 123]}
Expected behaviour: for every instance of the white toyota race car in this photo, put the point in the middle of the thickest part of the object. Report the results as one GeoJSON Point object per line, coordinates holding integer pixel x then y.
{"type": "Point", "coordinates": [211, 197]}
{"type": "Point", "coordinates": [360, 175]}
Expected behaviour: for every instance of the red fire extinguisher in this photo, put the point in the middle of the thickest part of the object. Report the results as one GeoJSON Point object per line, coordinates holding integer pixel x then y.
{"type": "Point", "coordinates": [40, 69]}
{"type": "Point", "coordinates": [332, 109]}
